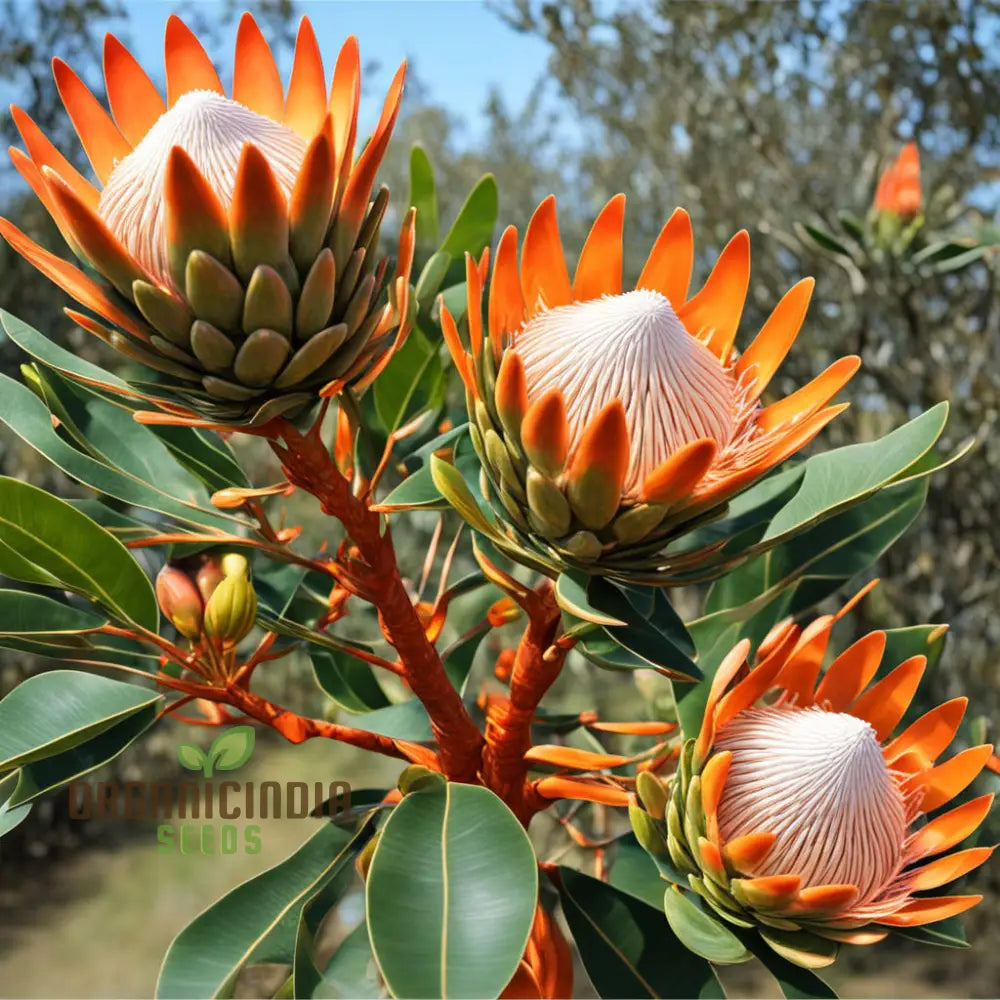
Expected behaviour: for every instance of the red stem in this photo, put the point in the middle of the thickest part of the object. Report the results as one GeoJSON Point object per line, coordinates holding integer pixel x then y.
{"type": "Point", "coordinates": [508, 724]}
{"type": "Point", "coordinates": [308, 465]}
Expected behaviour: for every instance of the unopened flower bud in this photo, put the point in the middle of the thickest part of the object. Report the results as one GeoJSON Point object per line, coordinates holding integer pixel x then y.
{"type": "Point", "coordinates": [209, 577]}
{"type": "Point", "coordinates": [232, 610]}
{"type": "Point", "coordinates": [233, 564]}
{"type": "Point", "coordinates": [364, 859]}
{"type": "Point", "coordinates": [180, 601]}
{"type": "Point", "coordinates": [417, 777]}
{"type": "Point", "coordinates": [650, 834]}
{"type": "Point", "coordinates": [652, 794]}
{"type": "Point", "coordinates": [503, 611]}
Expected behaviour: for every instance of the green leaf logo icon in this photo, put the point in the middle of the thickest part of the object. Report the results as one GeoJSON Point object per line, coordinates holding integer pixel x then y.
{"type": "Point", "coordinates": [230, 750]}
{"type": "Point", "coordinates": [191, 757]}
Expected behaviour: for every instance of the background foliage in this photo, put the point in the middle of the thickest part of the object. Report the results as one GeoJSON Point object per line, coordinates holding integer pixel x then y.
{"type": "Point", "coordinates": [747, 114]}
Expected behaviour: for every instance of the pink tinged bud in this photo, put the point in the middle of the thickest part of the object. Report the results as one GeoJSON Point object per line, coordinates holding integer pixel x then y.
{"type": "Point", "coordinates": [180, 601]}
{"type": "Point", "coordinates": [209, 577]}
{"type": "Point", "coordinates": [819, 782]}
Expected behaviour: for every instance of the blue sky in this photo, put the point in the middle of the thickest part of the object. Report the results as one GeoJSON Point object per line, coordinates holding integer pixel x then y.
{"type": "Point", "coordinates": [459, 48]}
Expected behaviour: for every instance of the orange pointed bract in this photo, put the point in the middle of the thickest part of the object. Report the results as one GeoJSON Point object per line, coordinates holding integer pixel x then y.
{"type": "Point", "coordinates": [256, 80]}
{"type": "Point", "coordinates": [305, 106]}
{"type": "Point", "coordinates": [135, 101]}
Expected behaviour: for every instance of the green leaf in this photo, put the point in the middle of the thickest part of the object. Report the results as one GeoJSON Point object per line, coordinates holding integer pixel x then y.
{"type": "Point", "coordinates": [204, 454]}
{"type": "Point", "coordinates": [191, 756]}
{"type": "Point", "coordinates": [348, 681]}
{"type": "Point", "coordinates": [261, 915]}
{"type": "Point", "coordinates": [110, 650]}
{"type": "Point", "coordinates": [835, 479]}
{"type": "Point", "coordinates": [51, 354]}
{"type": "Point", "coordinates": [27, 416]}
{"type": "Point", "coordinates": [43, 776]}
{"type": "Point", "coordinates": [52, 712]}
{"type": "Point", "coordinates": [423, 197]}
{"type": "Point", "coordinates": [795, 982]}
{"type": "Point", "coordinates": [852, 225]}
{"type": "Point", "coordinates": [65, 548]}
{"type": "Point", "coordinates": [948, 933]}
{"type": "Point", "coordinates": [626, 946]}
{"type": "Point", "coordinates": [827, 241]}
{"type": "Point", "coordinates": [105, 430]}
{"type": "Point", "coordinates": [634, 871]}
{"type": "Point", "coordinates": [412, 381]}
{"type": "Point", "coordinates": [431, 278]}
{"type": "Point", "coordinates": [350, 972]}
{"type": "Point", "coordinates": [417, 491]}
{"type": "Point", "coordinates": [232, 749]}
{"type": "Point", "coordinates": [573, 596]}
{"type": "Point", "coordinates": [699, 932]}
{"type": "Point", "coordinates": [451, 482]}
{"type": "Point", "coordinates": [23, 613]}
{"type": "Point", "coordinates": [405, 721]}
{"type": "Point", "coordinates": [960, 261]}
{"type": "Point", "coordinates": [10, 816]}
{"type": "Point", "coordinates": [473, 227]}
{"type": "Point", "coordinates": [914, 640]}
{"type": "Point", "coordinates": [815, 563]}
{"type": "Point", "coordinates": [459, 657]}
{"type": "Point", "coordinates": [713, 645]}
{"type": "Point", "coordinates": [451, 894]}
{"type": "Point", "coordinates": [659, 638]}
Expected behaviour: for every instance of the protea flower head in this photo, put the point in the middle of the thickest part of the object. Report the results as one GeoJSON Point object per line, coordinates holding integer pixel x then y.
{"type": "Point", "coordinates": [800, 811]}
{"type": "Point", "coordinates": [233, 236]}
{"type": "Point", "coordinates": [608, 421]}
{"type": "Point", "coordinates": [898, 192]}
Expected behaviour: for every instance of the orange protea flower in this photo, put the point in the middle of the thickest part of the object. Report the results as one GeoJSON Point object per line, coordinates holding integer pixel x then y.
{"type": "Point", "coordinates": [898, 191]}
{"type": "Point", "coordinates": [233, 237]}
{"type": "Point", "coordinates": [798, 812]}
{"type": "Point", "coordinates": [608, 421]}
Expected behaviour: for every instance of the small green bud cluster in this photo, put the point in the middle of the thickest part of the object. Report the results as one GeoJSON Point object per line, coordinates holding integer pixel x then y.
{"type": "Point", "coordinates": [213, 597]}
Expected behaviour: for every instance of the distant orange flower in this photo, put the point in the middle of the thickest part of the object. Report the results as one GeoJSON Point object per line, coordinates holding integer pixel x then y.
{"type": "Point", "coordinates": [898, 190]}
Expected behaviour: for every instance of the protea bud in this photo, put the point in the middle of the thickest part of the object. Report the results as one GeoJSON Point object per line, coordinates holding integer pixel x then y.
{"type": "Point", "coordinates": [180, 601]}
{"type": "Point", "coordinates": [898, 193]}
{"type": "Point", "coordinates": [232, 610]}
{"type": "Point", "coordinates": [233, 239]}
{"type": "Point", "coordinates": [209, 576]}
{"type": "Point", "coordinates": [801, 815]}
{"type": "Point", "coordinates": [608, 422]}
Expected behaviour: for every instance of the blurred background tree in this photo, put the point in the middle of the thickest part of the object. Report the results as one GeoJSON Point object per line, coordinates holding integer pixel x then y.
{"type": "Point", "coordinates": [763, 115]}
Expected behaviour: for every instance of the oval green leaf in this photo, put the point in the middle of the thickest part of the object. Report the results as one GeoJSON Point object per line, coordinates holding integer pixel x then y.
{"type": "Point", "coordinates": [626, 946]}
{"type": "Point", "coordinates": [256, 921]}
{"type": "Point", "coordinates": [71, 550]}
{"type": "Point", "coordinates": [699, 932]}
{"type": "Point", "coordinates": [52, 712]}
{"type": "Point", "coordinates": [451, 894]}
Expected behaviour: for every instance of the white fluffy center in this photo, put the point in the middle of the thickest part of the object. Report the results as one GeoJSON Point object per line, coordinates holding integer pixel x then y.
{"type": "Point", "coordinates": [631, 347]}
{"type": "Point", "coordinates": [211, 129]}
{"type": "Point", "coordinates": [819, 782]}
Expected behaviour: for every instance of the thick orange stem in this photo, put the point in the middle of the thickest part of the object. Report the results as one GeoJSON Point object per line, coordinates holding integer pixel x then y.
{"type": "Point", "coordinates": [308, 464]}
{"type": "Point", "coordinates": [537, 664]}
